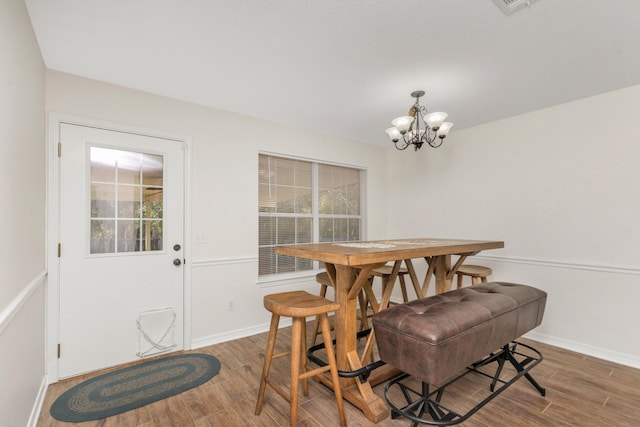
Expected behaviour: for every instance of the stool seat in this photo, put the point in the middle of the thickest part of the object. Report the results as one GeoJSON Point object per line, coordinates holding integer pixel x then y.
{"type": "Point", "coordinates": [323, 279]}
{"type": "Point", "coordinates": [298, 304]}
{"type": "Point", "coordinates": [475, 272]}
{"type": "Point", "coordinates": [386, 271]}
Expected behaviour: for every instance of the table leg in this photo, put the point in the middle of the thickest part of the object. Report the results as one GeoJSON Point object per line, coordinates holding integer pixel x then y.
{"type": "Point", "coordinates": [421, 292]}
{"type": "Point", "coordinates": [440, 267]}
{"type": "Point", "coordinates": [360, 395]}
{"type": "Point", "coordinates": [441, 274]}
{"type": "Point", "coordinates": [345, 319]}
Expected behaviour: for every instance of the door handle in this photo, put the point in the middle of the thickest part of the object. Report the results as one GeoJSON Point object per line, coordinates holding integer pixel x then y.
{"type": "Point", "coordinates": [177, 261]}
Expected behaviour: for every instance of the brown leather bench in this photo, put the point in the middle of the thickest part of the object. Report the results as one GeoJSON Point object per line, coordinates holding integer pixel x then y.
{"type": "Point", "coordinates": [435, 339]}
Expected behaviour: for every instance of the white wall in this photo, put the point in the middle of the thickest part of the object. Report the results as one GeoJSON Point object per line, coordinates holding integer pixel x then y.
{"type": "Point", "coordinates": [560, 187]}
{"type": "Point", "coordinates": [22, 216]}
{"type": "Point", "coordinates": [224, 190]}
{"type": "Point", "coordinates": [556, 187]}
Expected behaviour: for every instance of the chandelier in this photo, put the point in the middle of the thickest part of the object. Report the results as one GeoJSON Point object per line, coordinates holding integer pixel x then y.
{"type": "Point", "coordinates": [419, 127]}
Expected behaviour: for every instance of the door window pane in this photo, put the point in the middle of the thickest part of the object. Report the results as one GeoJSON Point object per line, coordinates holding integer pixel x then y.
{"type": "Point", "coordinates": [152, 170]}
{"type": "Point", "coordinates": [103, 236]}
{"type": "Point", "coordinates": [126, 201]}
{"type": "Point", "coordinates": [103, 200]}
{"type": "Point", "coordinates": [152, 202]}
{"type": "Point", "coordinates": [151, 236]}
{"type": "Point", "coordinates": [103, 169]}
{"type": "Point", "coordinates": [128, 231]}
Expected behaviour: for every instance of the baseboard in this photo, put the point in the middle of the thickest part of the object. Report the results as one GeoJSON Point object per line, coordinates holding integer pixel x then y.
{"type": "Point", "coordinates": [597, 352]}
{"type": "Point", "coordinates": [37, 405]}
{"type": "Point", "coordinates": [235, 334]}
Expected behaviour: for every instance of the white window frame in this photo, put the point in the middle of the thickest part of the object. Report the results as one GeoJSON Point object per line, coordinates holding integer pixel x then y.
{"type": "Point", "coordinates": [316, 216]}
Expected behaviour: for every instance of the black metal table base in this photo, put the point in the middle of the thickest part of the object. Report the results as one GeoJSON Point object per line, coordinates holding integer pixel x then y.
{"type": "Point", "coordinates": [426, 407]}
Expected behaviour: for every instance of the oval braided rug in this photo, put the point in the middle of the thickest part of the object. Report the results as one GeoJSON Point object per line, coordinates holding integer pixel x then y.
{"type": "Point", "coordinates": [129, 388]}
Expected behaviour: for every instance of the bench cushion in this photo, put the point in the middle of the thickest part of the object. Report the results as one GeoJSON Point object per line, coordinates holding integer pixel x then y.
{"type": "Point", "coordinates": [435, 338]}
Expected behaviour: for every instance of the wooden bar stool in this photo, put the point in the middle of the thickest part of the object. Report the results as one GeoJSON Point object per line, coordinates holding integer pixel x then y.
{"type": "Point", "coordinates": [476, 272]}
{"type": "Point", "coordinates": [324, 281]}
{"type": "Point", "coordinates": [384, 273]}
{"type": "Point", "coordinates": [298, 305]}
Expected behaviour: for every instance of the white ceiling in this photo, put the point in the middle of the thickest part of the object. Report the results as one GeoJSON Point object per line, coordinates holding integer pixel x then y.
{"type": "Point", "coordinates": [347, 67]}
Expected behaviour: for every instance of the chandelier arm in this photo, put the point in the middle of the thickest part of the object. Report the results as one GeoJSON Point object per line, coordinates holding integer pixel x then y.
{"type": "Point", "coordinates": [404, 143]}
{"type": "Point", "coordinates": [414, 135]}
{"type": "Point", "coordinates": [435, 144]}
{"type": "Point", "coordinates": [431, 136]}
{"type": "Point", "coordinates": [410, 139]}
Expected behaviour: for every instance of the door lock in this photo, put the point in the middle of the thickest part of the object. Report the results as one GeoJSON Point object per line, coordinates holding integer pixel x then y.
{"type": "Point", "coordinates": [177, 261]}
{"type": "Point", "coordinates": [176, 247]}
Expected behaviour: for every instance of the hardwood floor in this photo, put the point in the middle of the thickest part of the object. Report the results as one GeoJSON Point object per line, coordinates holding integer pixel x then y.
{"type": "Point", "coordinates": [581, 391]}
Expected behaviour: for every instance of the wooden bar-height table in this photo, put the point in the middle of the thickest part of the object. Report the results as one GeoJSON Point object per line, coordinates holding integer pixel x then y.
{"type": "Point", "coordinates": [349, 266]}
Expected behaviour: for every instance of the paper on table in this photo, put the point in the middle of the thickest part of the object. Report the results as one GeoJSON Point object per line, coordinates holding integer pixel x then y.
{"type": "Point", "coordinates": [366, 245]}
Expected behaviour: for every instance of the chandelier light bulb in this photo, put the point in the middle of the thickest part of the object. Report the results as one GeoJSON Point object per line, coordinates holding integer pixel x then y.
{"type": "Point", "coordinates": [402, 123]}
{"type": "Point", "coordinates": [393, 133]}
{"type": "Point", "coordinates": [444, 129]}
{"type": "Point", "coordinates": [434, 120]}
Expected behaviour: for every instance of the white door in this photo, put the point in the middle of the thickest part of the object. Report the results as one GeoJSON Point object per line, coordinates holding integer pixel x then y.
{"type": "Point", "coordinates": [121, 257]}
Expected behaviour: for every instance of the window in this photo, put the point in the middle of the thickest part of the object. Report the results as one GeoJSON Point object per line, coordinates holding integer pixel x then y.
{"type": "Point", "coordinates": [304, 202]}
{"type": "Point", "coordinates": [126, 201]}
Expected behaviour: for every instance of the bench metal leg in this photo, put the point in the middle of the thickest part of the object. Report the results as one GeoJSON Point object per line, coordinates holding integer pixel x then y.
{"type": "Point", "coordinates": [418, 405]}
{"type": "Point", "coordinates": [520, 367]}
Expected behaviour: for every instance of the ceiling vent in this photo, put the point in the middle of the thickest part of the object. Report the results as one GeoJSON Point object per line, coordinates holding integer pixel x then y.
{"type": "Point", "coordinates": [510, 6]}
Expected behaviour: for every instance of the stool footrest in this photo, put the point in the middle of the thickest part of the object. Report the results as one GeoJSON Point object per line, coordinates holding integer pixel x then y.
{"type": "Point", "coordinates": [362, 373]}
{"type": "Point", "coordinates": [276, 387]}
{"type": "Point", "coordinates": [427, 407]}
{"type": "Point", "coordinates": [283, 354]}
{"type": "Point", "coordinates": [315, 372]}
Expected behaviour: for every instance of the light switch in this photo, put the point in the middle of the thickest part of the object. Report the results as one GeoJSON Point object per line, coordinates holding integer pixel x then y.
{"type": "Point", "coordinates": [201, 238]}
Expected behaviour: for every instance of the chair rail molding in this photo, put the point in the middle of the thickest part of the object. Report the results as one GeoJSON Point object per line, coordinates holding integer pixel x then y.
{"type": "Point", "coordinates": [14, 306]}
{"type": "Point", "coordinates": [222, 261]}
{"type": "Point", "coordinates": [635, 271]}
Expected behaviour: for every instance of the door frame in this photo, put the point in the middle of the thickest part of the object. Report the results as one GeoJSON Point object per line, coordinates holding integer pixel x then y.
{"type": "Point", "coordinates": [53, 227]}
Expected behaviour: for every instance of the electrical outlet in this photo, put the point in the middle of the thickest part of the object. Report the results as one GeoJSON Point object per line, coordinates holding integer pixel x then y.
{"type": "Point", "coordinates": [231, 304]}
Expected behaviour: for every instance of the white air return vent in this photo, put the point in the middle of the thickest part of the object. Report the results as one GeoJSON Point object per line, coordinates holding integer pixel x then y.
{"type": "Point", "coordinates": [510, 6]}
